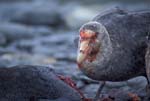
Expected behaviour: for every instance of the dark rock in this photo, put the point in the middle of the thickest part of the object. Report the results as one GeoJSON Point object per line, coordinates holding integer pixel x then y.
{"type": "Point", "coordinates": [4, 63]}
{"type": "Point", "coordinates": [39, 13]}
{"type": "Point", "coordinates": [119, 95]}
{"type": "Point", "coordinates": [13, 0]}
{"type": "Point", "coordinates": [61, 44]}
{"type": "Point", "coordinates": [22, 58]}
{"type": "Point", "coordinates": [75, 14]}
{"type": "Point", "coordinates": [90, 90]}
{"type": "Point", "coordinates": [24, 45]}
{"type": "Point", "coordinates": [140, 88]}
{"type": "Point", "coordinates": [34, 82]}
{"type": "Point", "coordinates": [2, 39]}
{"type": "Point", "coordinates": [8, 10]}
{"type": "Point", "coordinates": [6, 50]}
{"type": "Point", "coordinates": [36, 12]}
{"type": "Point", "coordinates": [14, 32]}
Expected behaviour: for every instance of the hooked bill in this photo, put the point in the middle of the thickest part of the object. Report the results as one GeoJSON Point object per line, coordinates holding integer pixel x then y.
{"type": "Point", "coordinates": [83, 51]}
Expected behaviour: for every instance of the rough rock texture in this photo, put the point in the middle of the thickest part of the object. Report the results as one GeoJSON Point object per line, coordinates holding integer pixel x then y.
{"type": "Point", "coordinates": [32, 13]}
{"type": "Point", "coordinates": [12, 32]}
{"type": "Point", "coordinates": [33, 82]}
{"type": "Point", "coordinates": [13, 0]}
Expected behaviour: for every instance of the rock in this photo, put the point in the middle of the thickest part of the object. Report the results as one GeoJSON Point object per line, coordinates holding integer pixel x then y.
{"type": "Point", "coordinates": [90, 90]}
{"type": "Point", "coordinates": [36, 12]}
{"type": "Point", "coordinates": [115, 84]}
{"type": "Point", "coordinates": [13, 0]}
{"type": "Point", "coordinates": [4, 50]}
{"type": "Point", "coordinates": [21, 58]}
{"type": "Point", "coordinates": [75, 15]}
{"type": "Point", "coordinates": [65, 68]}
{"type": "Point", "coordinates": [4, 63]}
{"type": "Point", "coordinates": [24, 45]}
{"type": "Point", "coordinates": [34, 82]}
{"type": "Point", "coordinates": [14, 32]}
{"type": "Point", "coordinates": [80, 84]}
{"type": "Point", "coordinates": [8, 10]}
{"type": "Point", "coordinates": [61, 43]}
{"type": "Point", "coordinates": [119, 95]}
{"type": "Point", "coordinates": [138, 84]}
{"type": "Point", "coordinates": [2, 39]}
{"type": "Point", "coordinates": [39, 13]}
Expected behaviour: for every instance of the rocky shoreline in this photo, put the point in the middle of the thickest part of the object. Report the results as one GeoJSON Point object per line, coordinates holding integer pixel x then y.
{"type": "Point", "coordinates": [41, 32]}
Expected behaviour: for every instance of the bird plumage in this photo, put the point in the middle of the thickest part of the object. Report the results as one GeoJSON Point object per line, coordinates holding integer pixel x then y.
{"type": "Point", "coordinates": [128, 33]}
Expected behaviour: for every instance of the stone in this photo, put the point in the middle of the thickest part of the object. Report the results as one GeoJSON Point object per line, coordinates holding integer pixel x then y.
{"type": "Point", "coordinates": [34, 82]}
{"type": "Point", "coordinates": [39, 13]}
{"type": "Point", "coordinates": [13, 0]}
{"type": "Point", "coordinates": [138, 84]}
{"type": "Point", "coordinates": [13, 32]}
{"type": "Point", "coordinates": [2, 39]}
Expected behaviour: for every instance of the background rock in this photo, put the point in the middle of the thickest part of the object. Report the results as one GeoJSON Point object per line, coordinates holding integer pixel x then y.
{"type": "Point", "coordinates": [44, 13]}
{"type": "Point", "coordinates": [12, 32]}
{"type": "Point", "coordinates": [2, 39]}
{"type": "Point", "coordinates": [13, 0]}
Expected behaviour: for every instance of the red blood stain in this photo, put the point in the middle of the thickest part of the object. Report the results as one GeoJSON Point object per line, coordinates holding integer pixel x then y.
{"type": "Point", "coordinates": [90, 51]}
{"type": "Point", "coordinates": [84, 34]}
{"type": "Point", "coordinates": [72, 84]}
{"type": "Point", "coordinates": [134, 97]}
{"type": "Point", "coordinates": [79, 65]}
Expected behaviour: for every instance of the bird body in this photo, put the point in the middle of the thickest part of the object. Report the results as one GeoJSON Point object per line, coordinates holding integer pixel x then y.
{"type": "Point", "coordinates": [123, 47]}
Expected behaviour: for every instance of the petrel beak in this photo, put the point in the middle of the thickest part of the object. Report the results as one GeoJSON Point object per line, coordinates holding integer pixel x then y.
{"type": "Point", "coordinates": [83, 51]}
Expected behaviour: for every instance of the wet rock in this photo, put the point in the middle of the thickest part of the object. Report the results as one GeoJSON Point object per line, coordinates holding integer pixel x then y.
{"type": "Point", "coordinates": [4, 63]}
{"type": "Point", "coordinates": [24, 45]}
{"type": "Point", "coordinates": [13, 0]}
{"type": "Point", "coordinates": [36, 12]}
{"type": "Point", "coordinates": [14, 32]}
{"type": "Point", "coordinates": [115, 84]}
{"type": "Point", "coordinates": [137, 84]}
{"type": "Point", "coordinates": [6, 50]}
{"type": "Point", "coordinates": [2, 39]}
{"type": "Point", "coordinates": [120, 95]}
{"type": "Point", "coordinates": [39, 13]}
{"type": "Point", "coordinates": [58, 46]}
{"type": "Point", "coordinates": [8, 10]}
{"type": "Point", "coordinates": [65, 68]}
{"type": "Point", "coordinates": [90, 90]}
{"type": "Point", "coordinates": [59, 38]}
{"type": "Point", "coordinates": [75, 14]}
{"type": "Point", "coordinates": [80, 84]}
{"type": "Point", "coordinates": [34, 82]}
{"type": "Point", "coordinates": [22, 58]}
{"type": "Point", "coordinates": [85, 79]}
